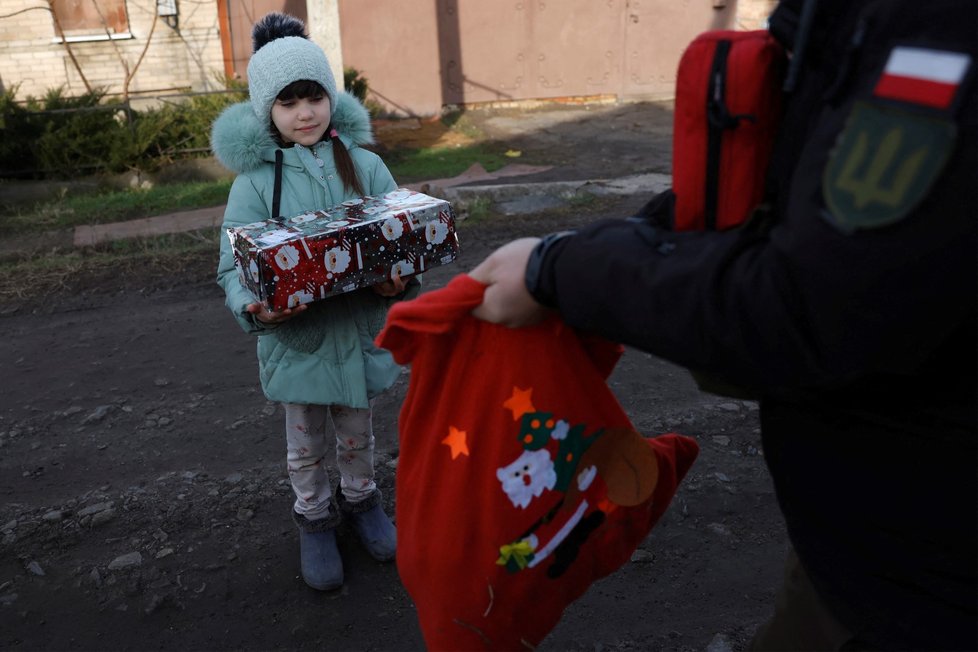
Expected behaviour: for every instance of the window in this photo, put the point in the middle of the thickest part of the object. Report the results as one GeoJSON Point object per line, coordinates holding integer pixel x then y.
{"type": "Point", "coordinates": [90, 20]}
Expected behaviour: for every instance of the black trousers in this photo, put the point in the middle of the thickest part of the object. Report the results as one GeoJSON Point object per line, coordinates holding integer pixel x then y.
{"type": "Point", "coordinates": [801, 620]}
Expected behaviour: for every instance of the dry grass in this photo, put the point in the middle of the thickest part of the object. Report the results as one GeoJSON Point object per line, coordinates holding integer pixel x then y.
{"type": "Point", "coordinates": [142, 264]}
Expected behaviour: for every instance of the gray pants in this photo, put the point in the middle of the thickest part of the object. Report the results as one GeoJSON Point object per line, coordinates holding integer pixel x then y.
{"type": "Point", "coordinates": [305, 433]}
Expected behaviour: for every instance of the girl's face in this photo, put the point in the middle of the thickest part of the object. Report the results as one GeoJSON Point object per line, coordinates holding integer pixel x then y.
{"type": "Point", "coordinates": [302, 120]}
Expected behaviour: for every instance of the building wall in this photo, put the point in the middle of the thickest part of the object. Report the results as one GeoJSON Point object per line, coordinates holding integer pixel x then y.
{"type": "Point", "coordinates": [420, 55]}
{"type": "Point", "coordinates": [396, 45]}
{"type": "Point", "coordinates": [34, 60]}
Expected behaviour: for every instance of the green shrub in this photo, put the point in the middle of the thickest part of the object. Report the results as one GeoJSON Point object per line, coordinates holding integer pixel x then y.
{"type": "Point", "coordinates": [18, 133]}
{"type": "Point", "coordinates": [186, 125]}
{"type": "Point", "coordinates": [357, 85]}
{"type": "Point", "coordinates": [81, 135]}
{"type": "Point", "coordinates": [66, 137]}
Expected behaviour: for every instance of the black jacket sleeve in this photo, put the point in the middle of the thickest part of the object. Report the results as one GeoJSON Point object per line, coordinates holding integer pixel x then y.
{"type": "Point", "coordinates": [802, 303]}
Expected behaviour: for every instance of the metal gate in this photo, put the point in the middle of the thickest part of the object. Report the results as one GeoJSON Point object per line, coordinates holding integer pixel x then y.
{"type": "Point", "coordinates": [237, 18]}
{"type": "Point", "coordinates": [419, 55]}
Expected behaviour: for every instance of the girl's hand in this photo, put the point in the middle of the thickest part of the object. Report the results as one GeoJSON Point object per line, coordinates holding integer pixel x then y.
{"type": "Point", "coordinates": [390, 288]}
{"type": "Point", "coordinates": [265, 316]}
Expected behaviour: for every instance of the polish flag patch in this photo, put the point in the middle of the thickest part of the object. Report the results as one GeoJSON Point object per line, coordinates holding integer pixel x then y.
{"type": "Point", "coordinates": [923, 76]}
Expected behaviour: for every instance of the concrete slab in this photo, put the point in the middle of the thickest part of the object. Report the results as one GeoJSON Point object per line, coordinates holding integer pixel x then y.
{"type": "Point", "coordinates": [202, 218]}
{"type": "Point", "coordinates": [508, 198]}
{"type": "Point", "coordinates": [477, 172]}
{"type": "Point", "coordinates": [513, 196]}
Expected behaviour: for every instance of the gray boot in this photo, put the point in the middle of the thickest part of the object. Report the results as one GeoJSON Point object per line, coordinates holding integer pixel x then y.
{"type": "Point", "coordinates": [319, 558]}
{"type": "Point", "coordinates": [371, 524]}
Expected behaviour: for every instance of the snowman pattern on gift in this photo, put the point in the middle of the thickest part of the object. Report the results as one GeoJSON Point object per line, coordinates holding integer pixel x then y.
{"type": "Point", "coordinates": [584, 476]}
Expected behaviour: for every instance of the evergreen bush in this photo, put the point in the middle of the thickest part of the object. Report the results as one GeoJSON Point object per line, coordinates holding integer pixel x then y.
{"type": "Point", "coordinates": [19, 130]}
{"type": "Point", "coordinates": [357, 85]}
{"type": "Point", "coordinates": [80, 135]}
{"type": "Point", "coordinates": [69, 137]}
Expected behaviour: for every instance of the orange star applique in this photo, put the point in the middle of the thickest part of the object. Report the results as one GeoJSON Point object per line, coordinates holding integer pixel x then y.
{"type": "Point", "coordinates": [456, 441]}
{"type": "Point", "coordinates": [519, 403]}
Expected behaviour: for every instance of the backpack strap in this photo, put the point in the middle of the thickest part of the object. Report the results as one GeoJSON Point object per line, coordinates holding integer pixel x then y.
{"type": "Point", "coordinates": [277, 187]}
{"type": "Point", "coordinates": [800, 44]}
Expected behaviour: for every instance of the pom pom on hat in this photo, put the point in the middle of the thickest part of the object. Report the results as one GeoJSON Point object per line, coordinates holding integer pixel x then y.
{"type": "Point", "coordinates": [273, 26]}
{"type": "Point", "coordinates": [283, 54]}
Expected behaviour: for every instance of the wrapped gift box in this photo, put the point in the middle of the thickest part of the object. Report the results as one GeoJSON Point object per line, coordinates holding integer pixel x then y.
{"type": "Point", "coordinates": [356, 244]}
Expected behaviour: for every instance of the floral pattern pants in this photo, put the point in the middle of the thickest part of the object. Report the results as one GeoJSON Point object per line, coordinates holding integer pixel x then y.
{"type": "Point", "coordinates": [305, 432]}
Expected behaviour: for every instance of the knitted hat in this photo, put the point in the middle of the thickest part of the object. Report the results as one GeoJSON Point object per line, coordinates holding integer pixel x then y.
{"type": "Point", "coordinates": [282, 55]}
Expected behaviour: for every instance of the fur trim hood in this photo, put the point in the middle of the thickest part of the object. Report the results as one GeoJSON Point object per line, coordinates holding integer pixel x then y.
{"type": "Point", "coordinates": [241, 143]}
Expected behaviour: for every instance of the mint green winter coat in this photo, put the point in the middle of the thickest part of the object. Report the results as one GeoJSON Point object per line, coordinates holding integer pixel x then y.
{"type": "Point", "coordinates": [325, 355]}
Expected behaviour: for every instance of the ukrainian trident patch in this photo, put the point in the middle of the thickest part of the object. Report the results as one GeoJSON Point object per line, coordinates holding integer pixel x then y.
{"type": "Point", "coordinates": [895, 145]}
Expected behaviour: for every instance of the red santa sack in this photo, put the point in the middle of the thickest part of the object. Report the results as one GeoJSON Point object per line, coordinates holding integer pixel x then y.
{"type": "Point", "coordinates": [520, 480]}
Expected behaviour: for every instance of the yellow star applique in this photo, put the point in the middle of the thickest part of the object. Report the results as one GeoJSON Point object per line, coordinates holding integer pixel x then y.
{"type": "Point", "coordinates": [456, 441]}
{"type": "Point", "coordinates": [519, 403]}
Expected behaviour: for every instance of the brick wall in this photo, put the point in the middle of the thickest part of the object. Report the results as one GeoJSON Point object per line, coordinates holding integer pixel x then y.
{"type": "Point", "coordinates": [32, 58]}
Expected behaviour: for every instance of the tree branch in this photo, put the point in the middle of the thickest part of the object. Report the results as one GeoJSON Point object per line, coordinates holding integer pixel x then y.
{"type": "Point", "coordinates": [64, 41]}
{"type": "Point", "coordinates": [23, 11]}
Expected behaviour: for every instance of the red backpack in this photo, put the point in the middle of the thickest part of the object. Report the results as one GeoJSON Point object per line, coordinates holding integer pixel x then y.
{"type": "Point", "coordinates": [728, 106]}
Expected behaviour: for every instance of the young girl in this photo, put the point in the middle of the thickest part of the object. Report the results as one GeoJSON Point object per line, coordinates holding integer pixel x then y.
{"type": "Point", "coordinates": [295, 147]}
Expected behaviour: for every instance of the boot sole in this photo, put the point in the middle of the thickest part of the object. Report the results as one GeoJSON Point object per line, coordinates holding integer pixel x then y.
{"type": "Point", "coordinates": [323, 587]}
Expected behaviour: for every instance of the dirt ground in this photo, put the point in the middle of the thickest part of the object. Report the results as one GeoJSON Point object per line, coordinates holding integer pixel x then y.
{"type": "Point", "coordinates": [145, 504]}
